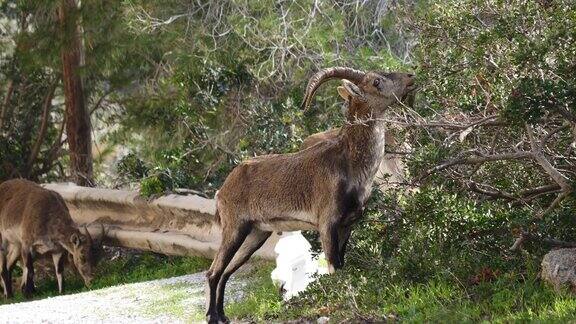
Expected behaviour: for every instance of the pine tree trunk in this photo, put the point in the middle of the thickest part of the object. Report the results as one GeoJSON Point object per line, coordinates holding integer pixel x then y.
{"type": "Point", "coordinates": [78, 128]}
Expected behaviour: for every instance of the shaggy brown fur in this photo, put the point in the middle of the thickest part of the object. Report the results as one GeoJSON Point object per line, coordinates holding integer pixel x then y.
{"type": "Point", "coordinates": [323, 187]}
{"type": "Point", "coordinates": [34, 220]}
{"type": "Point", "coordinates": [314, 139]}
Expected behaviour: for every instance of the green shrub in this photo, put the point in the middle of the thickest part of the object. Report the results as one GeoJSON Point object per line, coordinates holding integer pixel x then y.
{"type": "Point", "coordinates": [152, 186]}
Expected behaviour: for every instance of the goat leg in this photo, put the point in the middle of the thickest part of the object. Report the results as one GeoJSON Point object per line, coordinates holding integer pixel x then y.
{"type": "Point", "coordinates": [28, 272]}
{"type": "Point", "coordinates": [58, 259]}
{"type": "Point", "coordinates": [345, 230]}
{"type": "Point", "coordinates": [233, 236]}
{"type": "Point", "coordinates": [329, 238]}
{"type": "Point", "coordinates": [253, 242]}
{"type": "Point", "coordinates": [5, 274]}
{"type": "Point", "coordinates": [343, 237]}
{"type": "Point", "coordinates": [13, 254]}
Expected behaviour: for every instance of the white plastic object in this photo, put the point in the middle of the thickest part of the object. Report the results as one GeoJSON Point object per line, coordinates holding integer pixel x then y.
{"type": "Point", "coordinates": [295, 266]}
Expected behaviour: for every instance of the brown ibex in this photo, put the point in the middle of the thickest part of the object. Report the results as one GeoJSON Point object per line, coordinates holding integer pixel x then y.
{"type": "Point", "coordinates": [33, 221]}
{"type": "Point", "coordinates": [322, 188]}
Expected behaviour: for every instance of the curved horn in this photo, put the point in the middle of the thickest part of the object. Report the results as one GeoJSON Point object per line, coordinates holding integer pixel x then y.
{"type": "Point", "coordinates": [327, 74]}
{"type": "Point", "coordinates": [88, 234]}
{"type": "Point", "coordinates": [101, 234]}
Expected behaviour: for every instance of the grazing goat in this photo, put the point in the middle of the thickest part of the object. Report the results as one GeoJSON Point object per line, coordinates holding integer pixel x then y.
{"type": "Point", "coordinates": [34, 220]}
{"type": "Point", "coordinates": [322, 188]}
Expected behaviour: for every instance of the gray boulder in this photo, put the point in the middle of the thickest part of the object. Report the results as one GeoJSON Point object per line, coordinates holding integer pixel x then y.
{"type": "Point", "coordinates": [559, 268]}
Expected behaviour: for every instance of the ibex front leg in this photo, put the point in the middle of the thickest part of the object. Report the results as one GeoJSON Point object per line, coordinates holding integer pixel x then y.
{"type": "Point", "coordinates": [329, 238]}
{"type": "Point", "coordinates": [343, 237]}
{"type": "Point", "coordinates": [28, 272]}
{"type": "Point", "coordinates": [345, 230]}
{"type": "Point", "coordinates": [58, 259]}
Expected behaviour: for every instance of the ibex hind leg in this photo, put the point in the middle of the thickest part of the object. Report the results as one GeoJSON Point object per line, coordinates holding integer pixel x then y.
{"type": "Point", "coordinates": [253, 242]}
{"type": "Point", "coordinates": [10, 255]}
{"type": "Point", "coordinates": [233, 235]}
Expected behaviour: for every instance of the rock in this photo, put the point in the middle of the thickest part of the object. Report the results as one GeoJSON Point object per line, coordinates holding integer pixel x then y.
{"type": "Point", "coordinates": [559, 268]}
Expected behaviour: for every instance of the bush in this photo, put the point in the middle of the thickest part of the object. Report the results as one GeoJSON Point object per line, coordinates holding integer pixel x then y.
{"type": "Point", "coordinates": [438, 256]}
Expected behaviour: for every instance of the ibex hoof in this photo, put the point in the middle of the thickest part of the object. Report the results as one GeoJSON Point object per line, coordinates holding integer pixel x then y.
{"type": "Point", "coordinates": [217, 319]}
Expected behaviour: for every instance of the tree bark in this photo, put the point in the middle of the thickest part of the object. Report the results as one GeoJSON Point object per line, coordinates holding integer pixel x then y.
{"type": "Point", "coordinates": [42, 131]}
{"type": "Point", "coordinates": [78, 128]}
{"type": "Point", "coordinates": [5, 104]}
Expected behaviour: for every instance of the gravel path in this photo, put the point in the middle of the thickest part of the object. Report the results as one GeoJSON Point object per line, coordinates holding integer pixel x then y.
{"type": "Point", "coordinates": [173, 300]}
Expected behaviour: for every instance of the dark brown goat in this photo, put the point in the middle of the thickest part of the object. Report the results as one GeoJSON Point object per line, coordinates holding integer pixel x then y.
{"type": "Point", "coordinates": [34, 221]}
{"type": "Point", "coordinates": [322, 188]}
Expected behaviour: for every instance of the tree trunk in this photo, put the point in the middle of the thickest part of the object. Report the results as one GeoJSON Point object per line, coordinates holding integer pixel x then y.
{"type": "Point", "coordinates": [78, 128]}
{"type": "Point", "coordinates": [4, 110]}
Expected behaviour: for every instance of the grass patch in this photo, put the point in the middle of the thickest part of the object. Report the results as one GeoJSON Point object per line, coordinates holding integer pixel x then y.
{"type": "Point", "coordinates": [129, 269]}
{"type": "Point", "coordinates": [349, 295]}
{"type": "Point", "coordinates": [261, 298]}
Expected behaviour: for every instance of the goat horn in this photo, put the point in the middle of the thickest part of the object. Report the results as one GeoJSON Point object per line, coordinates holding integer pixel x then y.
{"type": "Point", "coordinates": [88, 234]}
{"type": "Point", "coordinates": [327, 74]}
{"type": "Point", "coordinates": [102, 233]}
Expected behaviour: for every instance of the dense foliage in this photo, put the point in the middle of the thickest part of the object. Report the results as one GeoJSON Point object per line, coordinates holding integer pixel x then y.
{"type": "Point", "coordinates": [497, 80]}
{"type": "Point", "coordinates": [182, 91]}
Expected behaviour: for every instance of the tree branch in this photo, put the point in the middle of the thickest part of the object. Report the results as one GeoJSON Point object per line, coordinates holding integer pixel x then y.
{"type": "Point", "coordinates": [543, 161]}
{"type": "Point", "coordinates": [99, 102]}
{"type": "Point", "coordinates": [525, 236]}
{"type": "Point", "coordinates": [477, 160]}
{"type": "Point", "coordinates": [566, 114]}
{"type": "Point", "coordinates": [492, 192]}
{"type": "Point", "coordinates": [550, 169]}
{"type": "Point", "coordinates": [43, 128]}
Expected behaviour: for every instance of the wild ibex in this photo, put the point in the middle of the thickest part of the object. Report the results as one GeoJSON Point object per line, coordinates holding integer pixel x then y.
{"type": "Point", "coordinates": [321, 188]}
{"type": "Point", "coordinates": [34, 220]}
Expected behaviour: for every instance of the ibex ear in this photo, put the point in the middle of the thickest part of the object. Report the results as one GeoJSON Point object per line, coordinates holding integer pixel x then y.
{"type": "Point", "coordinates": [343, 93]}
{"type": "Point", "coordinates": [75, 240]}
{"type": "Point", "coordinates": [349, 89]}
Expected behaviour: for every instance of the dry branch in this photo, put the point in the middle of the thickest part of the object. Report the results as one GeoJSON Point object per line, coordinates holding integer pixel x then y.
{"type": "Point", "coordinates": [526, 237]}
{"type": "Point", "coordinates": [43, 129]}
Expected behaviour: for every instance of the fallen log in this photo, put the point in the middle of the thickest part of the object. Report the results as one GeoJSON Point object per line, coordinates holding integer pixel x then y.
{"type": "Point", "coordinates": [171, 224]}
